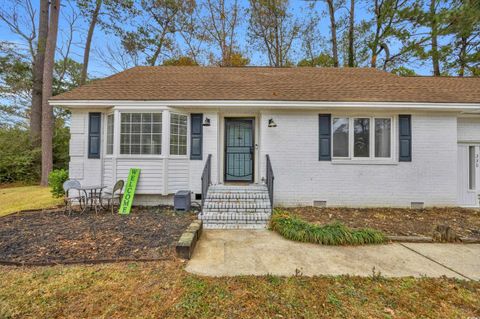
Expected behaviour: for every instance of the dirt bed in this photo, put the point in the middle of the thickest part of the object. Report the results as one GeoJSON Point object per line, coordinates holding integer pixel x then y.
{"type": "Point", "coordinates": [44, 237]}
{"type": "Point", "coordinates": [397, 221]}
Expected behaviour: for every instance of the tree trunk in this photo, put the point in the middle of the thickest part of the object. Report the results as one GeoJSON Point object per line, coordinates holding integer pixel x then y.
{"type": "Point", "coordinates": [434, 34]}
{"type": "Point", "coordinates": [86, 53]}
{"type": "Point", "coordinates": [36, 110]}
{"type": "Point", "coordinates": [47, 110]}
{"type": "Point", "coordinates": [462, 56]}
{"type": "Point", "coordinates": [351, 34]}
{"type": "Point", "coordinates": [333, 27]}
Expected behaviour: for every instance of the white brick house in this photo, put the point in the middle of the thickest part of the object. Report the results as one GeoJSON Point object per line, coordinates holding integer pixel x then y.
{"type": "Point", "coordinates": [335, 137]}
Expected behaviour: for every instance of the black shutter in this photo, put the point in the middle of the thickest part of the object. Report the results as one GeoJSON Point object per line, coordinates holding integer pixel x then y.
{"type": "Point", "coordinates": [94, 131]}
{"type": "Point", "coordinates": [196, 136]}
{"type": "Point", "coordinates": [405, 138]}
{"type": "Point", "coordinates": [324, 137]}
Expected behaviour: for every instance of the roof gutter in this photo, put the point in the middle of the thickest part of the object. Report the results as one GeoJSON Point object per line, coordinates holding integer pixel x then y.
{"type": "Point", "coordinates": [470, 107]}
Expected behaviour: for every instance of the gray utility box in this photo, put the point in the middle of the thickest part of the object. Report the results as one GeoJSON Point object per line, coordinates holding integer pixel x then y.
{"type": "Point", "coordinates": [182, 200]}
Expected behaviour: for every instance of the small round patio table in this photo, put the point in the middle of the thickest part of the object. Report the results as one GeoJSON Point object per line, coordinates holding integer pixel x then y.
{"type": "Point", "coordinates": [93, 196]}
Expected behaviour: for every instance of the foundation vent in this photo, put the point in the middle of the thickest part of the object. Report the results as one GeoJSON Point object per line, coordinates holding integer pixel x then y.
{"type": "Point", "coordinates": [319, 203]}
{"type": "Point", "coordinates": [417, 205]}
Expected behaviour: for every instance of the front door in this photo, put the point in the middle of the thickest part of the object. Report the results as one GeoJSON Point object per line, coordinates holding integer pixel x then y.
{"type": "Point", "coordinates": [468, 173]}
{"type": "Point", "coordinates": [239, 149]}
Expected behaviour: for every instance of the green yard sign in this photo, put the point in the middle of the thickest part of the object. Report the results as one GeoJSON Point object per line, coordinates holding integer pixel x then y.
{"type": "Point", "coordinates": [129, 193]}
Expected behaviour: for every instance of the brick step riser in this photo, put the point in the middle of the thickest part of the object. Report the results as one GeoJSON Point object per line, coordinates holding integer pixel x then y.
{"type": "Point", "coordinates": [223, 220]}
{"type": "Point", "coordinates": [236, 196]}
{"type": "Point", "coordinates": [235, 207]}
{"type": "Point", "coordinates": [234, 226]}
{"type": "Point", "coordinates": [238, 211]}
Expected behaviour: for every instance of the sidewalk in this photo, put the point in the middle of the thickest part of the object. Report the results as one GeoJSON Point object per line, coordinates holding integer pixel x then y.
{"type": "Point", "coordinates": [261, 252]}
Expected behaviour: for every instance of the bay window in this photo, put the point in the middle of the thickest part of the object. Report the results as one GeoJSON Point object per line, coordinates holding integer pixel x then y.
{"type": "Point", "coordinates": [141, 134]}
{"type": "Point", "coordinates": [361, 137]}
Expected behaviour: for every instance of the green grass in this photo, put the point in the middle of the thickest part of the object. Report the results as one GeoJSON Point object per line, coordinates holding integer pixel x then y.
{"type": "Point", "coordinates": [18, 198]}
{"type": "Point", "coordinates": [294, 228]}
{"type": "Point", "coordinates": [165, 290]}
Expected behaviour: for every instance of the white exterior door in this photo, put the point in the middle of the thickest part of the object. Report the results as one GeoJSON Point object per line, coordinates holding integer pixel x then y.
{"type": "Point", "coordinates": [468, 174]}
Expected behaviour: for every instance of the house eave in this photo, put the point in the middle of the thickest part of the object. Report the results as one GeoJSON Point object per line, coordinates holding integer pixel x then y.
{"type": "Point", "coordinates": [262, 104]}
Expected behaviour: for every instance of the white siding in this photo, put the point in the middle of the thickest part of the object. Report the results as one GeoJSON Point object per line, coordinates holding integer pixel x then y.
{"type": "Point", "coordinates": [178, 173]}
{"type": "Point", "coordinates": [108, 171]}
{"type": "Point", "coordinates": [300, 178]}
{"type": "Point", "coordinates": [151, 176]}
{"type": "Point", "coordinates": [469, 129]}
{"type": "Point", "coordinates": [210, 146]}
{"type": "Point", "coordinates": [87, 171]}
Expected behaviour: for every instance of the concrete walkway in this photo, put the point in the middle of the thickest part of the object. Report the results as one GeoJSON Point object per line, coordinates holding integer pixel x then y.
{"type": "Point", "coordinates": [261, 252]}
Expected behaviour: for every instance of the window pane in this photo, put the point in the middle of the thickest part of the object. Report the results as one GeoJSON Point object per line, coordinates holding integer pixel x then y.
{"type": "Point", "coordinates": [340, 137]}
{"type": "Point", "coordinates": [361, 139]}
{"type": "Point", "coordinates": [157, 117]}
{"type": "Point", "coordinates": [136, 117]}
{"type": "Point", "coordinates": [125, 117]}
{"type": "Point", "coordinates": [135, 149]}
{"type": "Point", "coordinates": [382, 137]}
{"type": "Point", "coordinates": [471, 167]}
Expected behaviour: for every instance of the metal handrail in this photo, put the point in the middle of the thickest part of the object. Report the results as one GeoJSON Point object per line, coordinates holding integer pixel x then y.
{"type": "Point", "coordinates": [270, 180]}
{"type": "Point", "coordinates": [206, 178]}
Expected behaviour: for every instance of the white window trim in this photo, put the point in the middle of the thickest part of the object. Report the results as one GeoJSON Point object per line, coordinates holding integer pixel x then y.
{"type": "Point", "coordinates": [351, 159]}
{"type": "Point", "coordinates": [106, 134]}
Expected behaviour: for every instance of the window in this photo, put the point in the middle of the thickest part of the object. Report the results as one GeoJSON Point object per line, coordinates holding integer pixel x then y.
{"type": "Point", "coordinates": [141, 133]}
{"type": "Point", "coordinates": [340, 137]}
{"type": "Point", "coordinates": [178, 134]}
{"type": "Point", "coordinates": [361, 137]}
{"type": "Point", "coordinates": [110, 122]}
{"type": "Point", "coordinates": [383, 129]}
{"type": "Point", "coordinates": [369, 137]}
{"type": "Point", "coordinates": [471, 167]}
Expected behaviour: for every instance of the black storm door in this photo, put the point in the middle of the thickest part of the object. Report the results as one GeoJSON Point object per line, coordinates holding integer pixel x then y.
{"type": "Point", "coordinates": [239, 148]}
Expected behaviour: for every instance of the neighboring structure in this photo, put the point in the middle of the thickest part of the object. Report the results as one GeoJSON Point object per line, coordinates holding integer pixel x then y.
{"type": "Point", "coordinates": [335, 137]}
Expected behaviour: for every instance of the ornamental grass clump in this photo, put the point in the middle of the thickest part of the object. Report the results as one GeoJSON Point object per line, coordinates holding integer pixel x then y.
{"type": "Point", "coordinates": [294, 228]}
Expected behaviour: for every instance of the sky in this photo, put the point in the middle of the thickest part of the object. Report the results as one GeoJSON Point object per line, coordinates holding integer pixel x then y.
{"type": "Point", "coordinates": [102, 40]}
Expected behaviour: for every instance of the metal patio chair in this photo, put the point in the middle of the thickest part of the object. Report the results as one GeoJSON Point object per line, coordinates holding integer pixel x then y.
{"type": "Point", "coordinates": [114, 197]}
{"type": "Point", "coordinates": [68, 186]}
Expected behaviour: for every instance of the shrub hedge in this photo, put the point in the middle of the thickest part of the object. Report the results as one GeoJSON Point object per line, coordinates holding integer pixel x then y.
{"type": "Point", "coordinates": [294, 228]}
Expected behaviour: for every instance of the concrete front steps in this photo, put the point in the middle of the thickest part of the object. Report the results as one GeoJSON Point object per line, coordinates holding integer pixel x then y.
{"type": "Point", "coordinates": [236, 207]}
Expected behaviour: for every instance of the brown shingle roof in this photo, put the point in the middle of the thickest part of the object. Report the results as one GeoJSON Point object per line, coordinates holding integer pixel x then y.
{"type": "Point", "coordinates": [279, 84]}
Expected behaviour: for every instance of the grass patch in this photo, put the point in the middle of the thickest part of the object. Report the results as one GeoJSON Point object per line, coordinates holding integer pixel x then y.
{"type": "Point", "coordinates": [165, 290]}
{"type": "Point", "coordinates": [294, 228]}
{"type": "Point", "coordinates": [15, 199]}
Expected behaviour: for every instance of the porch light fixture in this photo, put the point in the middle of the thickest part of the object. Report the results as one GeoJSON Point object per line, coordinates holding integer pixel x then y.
{"type": "Point", "coordinates": [271, 123]}
{"type": "Point", "coordinates": [206, 122]}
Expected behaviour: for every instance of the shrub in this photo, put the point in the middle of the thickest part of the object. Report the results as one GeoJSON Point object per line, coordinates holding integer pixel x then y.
{"type": "Point", "coordinates": [19, 161]}
{"type": "Point", "coordinates": [55, 180]}
{"type": "Point", "coordinates": [294, 228]}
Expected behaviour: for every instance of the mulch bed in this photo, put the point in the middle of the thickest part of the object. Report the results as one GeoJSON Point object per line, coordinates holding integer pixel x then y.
{"type": "Point", "coordinates": [397, 221]}
{"type": "Point", "coordinates": [53, 237]}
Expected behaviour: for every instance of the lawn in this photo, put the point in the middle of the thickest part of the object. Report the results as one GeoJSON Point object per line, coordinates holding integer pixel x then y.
{"type": "Point", "coordinates": [165, 290]}
{"type": "Point", "coordinates": [15, 199]}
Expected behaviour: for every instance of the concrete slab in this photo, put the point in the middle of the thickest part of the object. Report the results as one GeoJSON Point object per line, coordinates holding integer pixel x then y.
{"type": "Point", "coordinates": [464, 259]}
{"type": "Point", "coordinates": [261, 252]}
